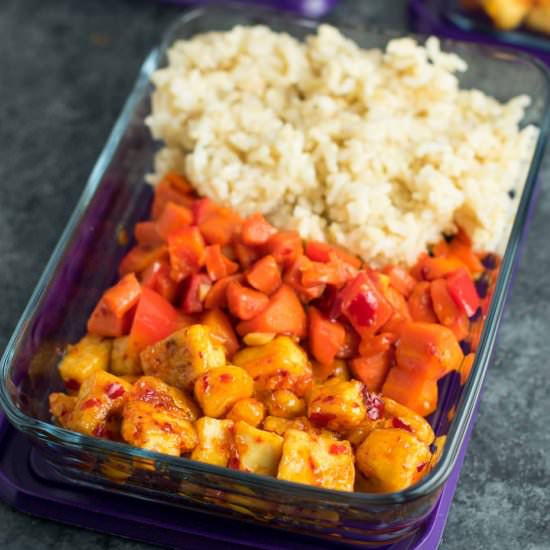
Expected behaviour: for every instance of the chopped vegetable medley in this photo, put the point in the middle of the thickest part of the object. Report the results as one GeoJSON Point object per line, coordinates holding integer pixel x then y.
{"type": "Point", "coordinates": [230, 342]}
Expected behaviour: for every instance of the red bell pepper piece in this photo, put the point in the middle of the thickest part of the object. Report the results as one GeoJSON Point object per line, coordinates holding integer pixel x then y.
{"type": "Point", "coordinates": [196, 288]}
{"type": "Point", "coordinates": [201, 209]}
{"type": "Point", "coordinates": [157, 278]}
{"type": "Point", "coordinates": [256, 230]}
{"type": "Point", "coordinates": [448, 312]}
{"type": "Point", "coordinates": [463, 291]}
{"type": "Point", "coordinates": [219, 225]}
{"type": "Point", "coordinates": [112, 314]}
{"type": "Point", "coordinates": [154, 320]}
{"type": "Point", "coordinates": [187, 252]}
{"type": "Point", "coordinates": [326, 337]}
{"type": "Point", "coordinates": [364, 305]}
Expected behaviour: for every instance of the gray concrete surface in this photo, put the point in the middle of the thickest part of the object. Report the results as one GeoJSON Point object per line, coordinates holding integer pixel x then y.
{"type": "Point", "coordinates": [65, 68]}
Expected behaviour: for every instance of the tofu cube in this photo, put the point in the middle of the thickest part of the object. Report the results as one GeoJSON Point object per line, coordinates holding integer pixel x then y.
{"type": "Point", "coordinates": [217, 390]}
{"type": "Point", "coordinates": [101, 395]}
{"type": "Point", "coordinates": [81, 360]}
{"type": "Point", "coordinates": [258, 451]}
{"type": "Point", "coordinates": [215, 441]}
{"type": "Point", "coordinates": [182, 357]}
{"type": "Point", "coordinates": [158, 418]}
{"type": "Point", "coordinates": [248, 410]}
{"type": "Point", "coordinates": [391, 459]}
{"type": "Point", "coordinates": [317, 460]}
{"type": "Point", "coordinates": [278, 365]}
{"type": "Point", "coordinates": [123, 361]}
{"type": "Point", "coordinates": [398, 415]}
{"type": "Point", "coordinates": [61, 407]}
{"type": "Point", "coordinates": [284, 403]}
{"type": "Point", "coordinates": [337, 405]}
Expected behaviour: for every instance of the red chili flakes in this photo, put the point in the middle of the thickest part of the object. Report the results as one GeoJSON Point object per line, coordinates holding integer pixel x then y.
{"type": "Point", "coordinates": [114, 391]}
{"type": "Point", "coordinates": [337, 449]}
{"type": "Point", "coordinates": [89, 403]}
{"type": "Point", "coordinates": [99, 430]}
{"type": "Point", "coordinates": [329, 399]}
{"type": "Point", "coordinates": [420, 467]}
{"type": "Point", "coordinates": [374, 404]}
{"type": "Point", "coordinates": [167, 427]}
{"type": "Point", "coordinates": [205, 384]}
{"type": "Point", "coordinates": [398, 423]}
{"type": "Point", "coordinates": [226, 378]}
{"type": "Point", "coordinates": [234, 463]}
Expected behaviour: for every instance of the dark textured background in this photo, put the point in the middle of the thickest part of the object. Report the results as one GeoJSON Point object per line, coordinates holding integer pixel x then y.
{"type": "Point", "coordinates": [65, 68]}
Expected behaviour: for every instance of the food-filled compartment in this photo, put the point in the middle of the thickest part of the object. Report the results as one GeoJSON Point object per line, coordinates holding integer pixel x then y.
{"type": "Point", "coordinates": [185, 285]}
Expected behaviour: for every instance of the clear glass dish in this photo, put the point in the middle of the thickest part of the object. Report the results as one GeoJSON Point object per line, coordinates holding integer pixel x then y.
{"type": "Point", "coordinates": [84, 263]}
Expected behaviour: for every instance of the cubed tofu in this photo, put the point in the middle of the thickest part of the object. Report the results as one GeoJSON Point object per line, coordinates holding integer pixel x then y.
{"type": "Point", "coordinates": [258, 451]}
{"type": "Point", "coordinates": [61, 407]}
{"type": "Point", "coordinates": [280, 425]}
{"type": "Point", "coordinates": [217, 390]}
{"type": "Point", "coordinates": [399, 416]}
{"type": "Point", "coordinates": [102, 394]}
{"type": "Point", "coordinates": [215, 441]}
{"type": "Point", "coordinates": [317, 460]}
{"type": "Point", "coordinates": [123, 361]}
{"type": "Point", "coordinates": [391, 459]}
{"type": "Point", "coordinates": [158, 418]}
{"type": "Point", "coordinates": [357, 435]}
{"type": "Point", "coordinates": [278, 365]}
{"type": "Point", "coordinates": [284, 403]}
{"type": "Point", "coordinates": [337, 405]}
{"type": "Point", "coordinates": [248, 410]}
{"type": "Point", "coordinates": [182, 357]}
{"type": "Point", "coordinates": [81, 360]}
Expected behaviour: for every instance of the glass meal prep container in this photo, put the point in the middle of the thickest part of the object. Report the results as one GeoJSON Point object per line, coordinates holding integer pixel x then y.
{"type": "Point", "coordinates": [85, 261]}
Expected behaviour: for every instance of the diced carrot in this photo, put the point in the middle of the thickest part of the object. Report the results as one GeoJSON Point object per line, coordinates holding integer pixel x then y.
{"type": "Point", "coordinates": [420, 304]}
{"type": "Point", "coordinates": [436, 268]}
{"type": "Point", "coordinates": [283, 315]}
{"type": "Point", "coordinates": [222, 330]}
{"type": "Point", "coordinates": [201, 209]}
{"type": "Point", "coordinates": [400, 279]}
{"type": "Point", "coordinates": [466, 255]}
{"type": "Point", "coordinates": [323, 252]}
{"type": "Point", "coordinates": [446, 309]}
{"type": "Point", "coordinates": [141, 257]}
{"type": "Point", "coordinates": [256, 230]}
{"type": "Point", "coordinates": [326, 337]}
{"type": "Point", "coordinates": [219, 226]}
{"type": "Point", "coordinates": [377, 344]}
{"type": "Point", "coordinates": [146, 234]}
{"type": "Point", "coordinates": [216, 297]}
{"type": "Point", "coordinates": [441, 249]}
{"type": "Point", "coordinates": [372, 370]}
{"type": "Point", "coordinates": [293, 278]}
{"type": "Point", "coordinates": [157, 278]}
{"type": "Point", "coordinates": [335, 272]}
{"type": "Point", "coordinates": [400, 313]}
{"type": "Point", "coordinates": [246, 255]}
{"type": "Point", "coordinates": [412, 390]}
{"type": "Point", "coordinates": [173, 217]}
{"type": "Point", "coordinates": [217, 265]}
{"type": "Point", "coordinates": [165, 193]}
{"type": "Point", "coordinates": [187, 252]}
{"type": "Point", "coordinates": [178, 182]}
{"type": "Point", "coordinates": [285, 247]}
{"type": "Point", "coordinates": [351, 342]}
{"type": "Point", "coordinates": [428, 349]}
{"type": "Point", "coordinates": [264, 275]}
{"type": "Point", "coordinates": [245, 303]}
{"type": "Point", "coordinates": [195, 290]}
{"type": "Point", "coordinates": [111, 316]}
{"type": "Point", "coordinates": [466, 367]}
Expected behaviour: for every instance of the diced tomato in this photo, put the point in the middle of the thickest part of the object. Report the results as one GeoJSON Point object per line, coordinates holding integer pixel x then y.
{"type": "Point", "coordinates": [154, 320]}
{"type": "Point", "coordinates": [400, 279]}
{"type": "Point", "coordinates": [222, 330]}
{"type": "Point", "coordinates": [293, 278]}
{"type": "Point", "coordinates": [420, 304]}
{"type": "Point", "coordinates": [323, 252]}
{"type": "Point", "coordinates": [446, 309]}
{"type": "Point", "coordinates": [429, 350]}
{"type": "Point", "coordinates": [111, 316]}
{"type": "Point", "coordinates": [217, 265]}
{"type": "Point", "coordinates": [140, 258]}
{"type": "Point", "coordinates": [246, 255]}
{"type": "Point", "coordinates": [462, 290]}
{"type": "Point", "coordinates": [285, 247]}
{"type": "Point", "coordinates": [173, 217]}
{"type": "Point", "coordinates": [364, 305]}
{"type": "Point", "coordinates": [157, 278]}
{"type": "Point", "coordinates": [195, 290]}
{"type": "Point", "coordinates": [217, 296]}
{"type": "Point", "coordinates": [326, 337]}
{"type": "Point", "coordinates": [264, 275]}
{"type": "Point", "coordinates": [147, 235]}
{"type": "Point", "coordinates": [372, 370]}
{"type": "Point", "coordinates": [187, 252]}
{"type": "Point", "coordinates": [245, 303]}
{"type": "Point", "coordinates": [412, 390]}
{"type": "Point", "coordinates": [256, 230]}
{"type": "Point", "coordinates": [219, 226]}
{"type": "Point", "coordinates": [283, 315]}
